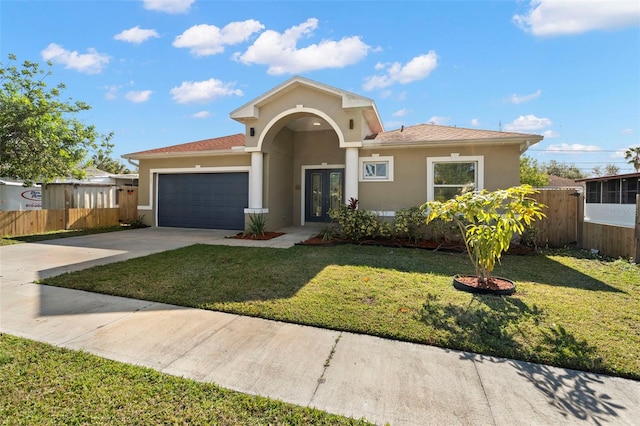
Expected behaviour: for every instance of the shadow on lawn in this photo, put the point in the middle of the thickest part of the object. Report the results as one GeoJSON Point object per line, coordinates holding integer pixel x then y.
{"type": "Point", "coordinates": [497, 325]}
{"type": "Point", "coordinates": [494, 325]}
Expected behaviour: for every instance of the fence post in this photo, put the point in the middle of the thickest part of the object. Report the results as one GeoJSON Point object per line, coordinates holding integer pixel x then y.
{"type": "Point", "coordinates": [636, 244]}
{"type": "Point", "coordinates": [580, 220]}
{"type": "Point", "coordinates": [67, 205]}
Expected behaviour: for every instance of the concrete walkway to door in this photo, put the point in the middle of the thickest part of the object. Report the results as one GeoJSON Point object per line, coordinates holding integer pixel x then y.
{"type": "Point", "coordinates": [355, 375]}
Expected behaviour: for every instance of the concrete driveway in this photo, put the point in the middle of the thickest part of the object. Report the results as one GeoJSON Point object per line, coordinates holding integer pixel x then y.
{"type": "Point", "coordinates": [355, 375]}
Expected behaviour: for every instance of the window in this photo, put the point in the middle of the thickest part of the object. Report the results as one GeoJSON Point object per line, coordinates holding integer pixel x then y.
{"type": "Point", "coordinates": [613, 191]}
{"type": "Point", "coordinates": [594, 192]}
{"type": "Point", "coordinates": [376, 168]}
{"type": "Point", "coordinates": [629, 190]}
{"type": "Point", "coordinates": [455, 175]}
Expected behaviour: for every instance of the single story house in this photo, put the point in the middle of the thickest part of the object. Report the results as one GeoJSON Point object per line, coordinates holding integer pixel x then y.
{"type": "Point", "coordinates": [611, 200]}
{"type": "Point", "coordinates": [308, 147]}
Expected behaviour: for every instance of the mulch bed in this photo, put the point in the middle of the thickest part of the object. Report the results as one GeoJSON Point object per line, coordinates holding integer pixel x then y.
{"type": "Point", "coordinates": [265, 236]}
{"type": "Point", "coordinates": [421, 244]}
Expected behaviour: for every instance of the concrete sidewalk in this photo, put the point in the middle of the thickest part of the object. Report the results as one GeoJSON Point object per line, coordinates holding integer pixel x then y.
{"type": "Point", "coordinates": [344, 373]}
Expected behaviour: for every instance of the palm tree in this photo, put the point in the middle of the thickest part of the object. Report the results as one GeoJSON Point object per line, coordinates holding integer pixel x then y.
{"type": "Point", "coordinates": [632, 155]}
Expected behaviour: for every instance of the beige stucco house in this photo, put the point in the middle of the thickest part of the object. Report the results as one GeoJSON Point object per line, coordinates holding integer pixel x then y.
{"type": "Point", "coordinates": [308, 147]}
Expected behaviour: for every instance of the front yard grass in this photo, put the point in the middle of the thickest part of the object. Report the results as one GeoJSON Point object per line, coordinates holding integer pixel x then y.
{"type": "Point", "coordinates": [41, 384]}
{"type": "Point", "coordinates": [570, 309]}
{"type": "Point", "coordinates": [33, 238]}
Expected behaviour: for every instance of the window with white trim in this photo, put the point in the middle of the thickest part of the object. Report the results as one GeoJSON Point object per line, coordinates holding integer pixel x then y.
{"type": "Point", "coordinates": [448, 177]}
{"type": "Point", "coordinates": [376, 169]}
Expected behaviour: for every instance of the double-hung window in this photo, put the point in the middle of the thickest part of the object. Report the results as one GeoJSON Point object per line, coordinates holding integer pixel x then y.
{"type": "Point", "coordinates": [454, 175]}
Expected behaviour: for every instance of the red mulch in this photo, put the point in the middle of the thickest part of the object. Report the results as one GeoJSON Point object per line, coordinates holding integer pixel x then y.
{"type": "Point", "coordinates": [422, 244]}
{"type": "Point", "coordinates": [494, 284]}
{"type": "Point", "coordinates": [266, 236]}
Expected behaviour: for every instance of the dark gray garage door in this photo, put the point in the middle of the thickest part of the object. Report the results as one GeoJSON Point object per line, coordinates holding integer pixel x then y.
{"type": "Point", "coordinates": [203, 200]}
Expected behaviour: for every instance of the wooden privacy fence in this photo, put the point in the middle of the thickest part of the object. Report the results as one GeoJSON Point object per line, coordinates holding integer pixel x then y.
{"type": "Point", "coordinates": [614, 241]}
{"type": "Point", "coordinates": [16, 223]}
{"type": "Point", "coordinates": [564, 211]}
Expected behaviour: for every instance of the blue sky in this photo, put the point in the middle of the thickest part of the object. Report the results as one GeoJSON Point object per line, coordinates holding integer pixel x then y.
{"type": "Point", "coordinates": [159, 73]}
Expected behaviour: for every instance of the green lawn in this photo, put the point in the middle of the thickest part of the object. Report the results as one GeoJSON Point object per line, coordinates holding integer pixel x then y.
{"type": "Point", "coordinates": [41, 384]}
{"type": "Point", "coordinates": [570, 310]}
{"type": "Point", "coordinates": [6, 240]}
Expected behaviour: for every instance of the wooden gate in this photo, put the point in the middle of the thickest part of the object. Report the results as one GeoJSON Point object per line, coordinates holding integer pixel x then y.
{"type": "Point", "coordinates": [128, 203]}
{"type": "Point", "coordinates": [563, 223]}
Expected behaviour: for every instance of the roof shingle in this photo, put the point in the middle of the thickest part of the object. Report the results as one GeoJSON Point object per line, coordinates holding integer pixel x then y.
{"type": "Point", "coordinates": [215, 144]}
{"type": "Point", "coordinates": [433, 132]}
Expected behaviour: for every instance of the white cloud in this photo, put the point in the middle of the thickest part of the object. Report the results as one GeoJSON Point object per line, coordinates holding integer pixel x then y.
{"type": "Point", "coordinates": [169, 6]}
{"type": "Point", "coordinates": [626, 131]}
{"type": "Point", "coordinates": [570, 148]}
{"type": "Point", "coordinates": [401, 112]}
{"type": "Point", "coordinates": [280, 52]}
{"type": "Point", "coordinates": [475, 122]}
{"type": "Point", "coordinates": [205, 40]}
{"type": "Point", "coordinates": [561, 17]}
{"type": "Point", "coordinates": [136, 35]}
{"type": "Point", "coordinates": [550, 134]}
{"type": "Point", "coordinates": [202, 114]}
{"type": "Point", "coordinates": [203, 91]}
{"type": "Point", "coordinates": [441, 121]}
{"type": "Point", "coordinates": [89, 63]}
{"type": "Point", "coordinates": [417, 68]}
{"type": "Point", "coordinates": [138, 96]}
{"type": "Point", "coordinates": [111, 92]}
{"type": "Point", "coordinates": [517, 99]}
{"type": "Point", "coordinates": [527, 123]}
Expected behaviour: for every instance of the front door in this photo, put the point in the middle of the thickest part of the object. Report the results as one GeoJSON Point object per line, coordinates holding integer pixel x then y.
{"type": "Point", "coordinates": [324, 190]}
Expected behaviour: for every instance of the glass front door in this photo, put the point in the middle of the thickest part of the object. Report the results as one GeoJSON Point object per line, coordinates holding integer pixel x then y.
{"type": "Point", "coordinates": [324, 191]}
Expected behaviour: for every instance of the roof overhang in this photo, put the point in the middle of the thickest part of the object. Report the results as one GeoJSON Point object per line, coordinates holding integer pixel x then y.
{"type": "Point", "coordinates": [523, 143]}
{"type": "Point", "coordinates": [212, 153]}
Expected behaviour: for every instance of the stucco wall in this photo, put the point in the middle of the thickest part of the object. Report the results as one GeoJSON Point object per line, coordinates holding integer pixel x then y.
{"type": "Point", "coordinates": [309, 98]}
{"type": "Point", "coordinates": [409, 188]}
{"type": "Point", "coordinates": [278, 180]}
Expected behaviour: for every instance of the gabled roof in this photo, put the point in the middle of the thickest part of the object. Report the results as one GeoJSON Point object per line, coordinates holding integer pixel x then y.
{"type": "Point", "coordinates": [251, 110]}
{"type": "Point", "coordinates": [215, 145]}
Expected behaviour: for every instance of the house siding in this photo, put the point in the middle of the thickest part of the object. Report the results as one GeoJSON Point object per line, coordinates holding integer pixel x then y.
{"type": "Point", "coordinates": [409, 187]}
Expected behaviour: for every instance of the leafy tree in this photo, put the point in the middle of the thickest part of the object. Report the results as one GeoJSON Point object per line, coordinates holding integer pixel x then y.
{"type": "Point", "coordinates": [531, 173]}
{"type": "Point", "coordinates": [40, 136]}
{"type": "Point", "coordinates": [609, 170]}
{"type": "Point", "coordinates": [103, 161]}
{"type": "Point", "coordinates": [632, 155]}
{"type": "Point", "coordinates": [488, 221]}
{"type": "Point", "coordinates": [565, 170]}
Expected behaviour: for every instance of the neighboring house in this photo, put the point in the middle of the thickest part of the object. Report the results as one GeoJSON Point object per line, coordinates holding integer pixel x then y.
{"type": "Point", "coordinates": [99, 189]}
{"type": "Point", "coordinates": [308, 147]}
{"type": "Point", "coordinates": [611, 200]}
{"type": "Point", "coordinates": [559, 182]}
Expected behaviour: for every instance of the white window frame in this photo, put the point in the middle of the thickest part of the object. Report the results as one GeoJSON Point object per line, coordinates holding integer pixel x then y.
{"type": "Point", "coordinates": [375, 159]}
{"type": "Point", "coordinates": [454, 158]}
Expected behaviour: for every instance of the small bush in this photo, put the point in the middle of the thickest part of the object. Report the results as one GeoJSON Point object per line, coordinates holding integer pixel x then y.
{"type": "Point", "coordinates": [410, 223]}
{"type": "Point", "coordinates": [353, 223]}
{"type": "Point", "coordinates": [257, 225]}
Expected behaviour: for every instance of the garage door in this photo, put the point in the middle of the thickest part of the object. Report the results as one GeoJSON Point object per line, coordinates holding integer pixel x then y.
{"type": "Point", "coordinates": [203, 200]}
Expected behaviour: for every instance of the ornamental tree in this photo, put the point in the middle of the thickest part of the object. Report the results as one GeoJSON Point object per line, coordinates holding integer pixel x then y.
{"type": "Point", "coordinates": [488, 221]}
{"type": "Point", "coordinates": [41, 137]}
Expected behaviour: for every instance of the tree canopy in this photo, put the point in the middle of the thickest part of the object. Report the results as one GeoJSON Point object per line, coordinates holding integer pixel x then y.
{"type": "Point", "coordinates": [632, 155]}
{"type": "Point", "coordinates": [569, 171]}
{"type": "Point", "coordinates": [531, 173]}
{"type": "Point", "coordinates": [41, 137]}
